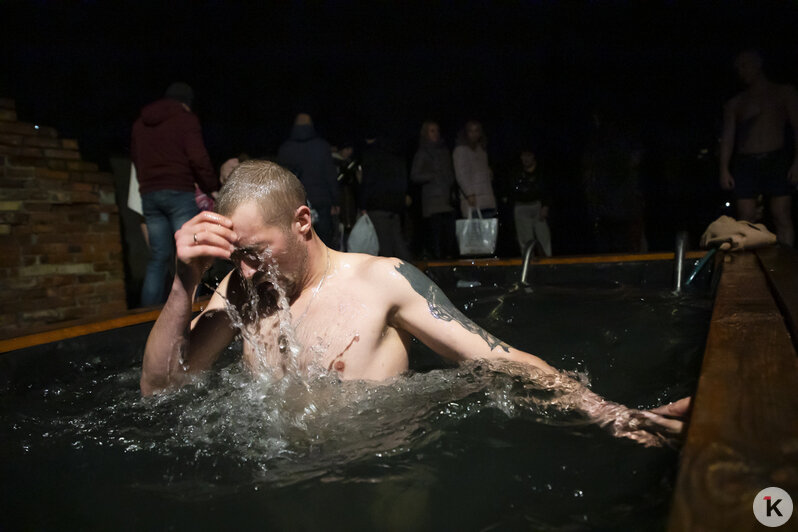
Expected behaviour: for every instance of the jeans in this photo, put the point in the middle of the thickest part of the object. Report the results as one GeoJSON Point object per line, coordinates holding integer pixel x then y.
{"type": "Point", "coordinates": [165, 211]}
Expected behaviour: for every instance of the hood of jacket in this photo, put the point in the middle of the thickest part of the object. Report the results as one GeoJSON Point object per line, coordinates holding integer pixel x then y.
{"type": "Point", "coordinates": [302, 133]}
{"type": "Point", "coordinates": [160, 111]}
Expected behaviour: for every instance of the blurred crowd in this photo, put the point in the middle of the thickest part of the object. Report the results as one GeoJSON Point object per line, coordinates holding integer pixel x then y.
{"type": "Point", "coordinates": [614, 192]}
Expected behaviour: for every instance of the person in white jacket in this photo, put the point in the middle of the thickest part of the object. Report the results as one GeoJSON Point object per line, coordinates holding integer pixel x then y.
{"type": "Point", "coordinates": [472, 172]}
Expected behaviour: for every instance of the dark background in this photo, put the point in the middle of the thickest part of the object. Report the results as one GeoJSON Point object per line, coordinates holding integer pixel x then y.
{"type": "Point", "coordinates": [531, 72]}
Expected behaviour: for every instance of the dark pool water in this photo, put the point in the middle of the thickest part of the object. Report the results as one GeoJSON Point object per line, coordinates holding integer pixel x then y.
{"type": "Point", "coordinates": [444, 448]}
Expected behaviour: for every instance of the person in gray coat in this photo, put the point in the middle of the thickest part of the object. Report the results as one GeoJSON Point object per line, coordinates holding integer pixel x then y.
{"type": "Point", "coordinates": [432, 169]}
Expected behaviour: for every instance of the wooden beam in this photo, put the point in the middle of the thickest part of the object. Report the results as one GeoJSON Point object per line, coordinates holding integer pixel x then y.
{"type": "Point", "coordinates": [45, 337]}
{"type": "Point", "coordinates": [778, 263]}
{"type": "Point", "coordinates": [576, 259]}
{"type": "Point", "coordinates": [743, 433]}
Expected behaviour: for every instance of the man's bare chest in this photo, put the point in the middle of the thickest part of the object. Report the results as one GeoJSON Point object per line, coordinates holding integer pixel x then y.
{"type": "Point", "coordinates": [340, 334]}
{"type": "Point", "coordinates": [763, 107]}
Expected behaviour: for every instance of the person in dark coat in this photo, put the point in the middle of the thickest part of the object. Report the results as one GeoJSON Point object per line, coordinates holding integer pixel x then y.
{"type": "Point", "coordinates": [170, 157]}
{"type": "Point", "coordinates": [309, 157]}
{"type": "Point", "coordinates": [383, 193]}
{"type": "Point", "coordinates": [432, 169]}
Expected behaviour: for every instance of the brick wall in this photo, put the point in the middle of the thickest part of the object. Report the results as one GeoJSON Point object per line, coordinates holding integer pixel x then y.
{"type": "Point", "coordinates": [60, 252]}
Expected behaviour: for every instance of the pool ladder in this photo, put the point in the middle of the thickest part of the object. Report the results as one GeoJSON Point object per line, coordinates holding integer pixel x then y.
{"type": "Point", "coordinates": [528, 254]}
{"type": "Point", "coordinates": [678, 264]}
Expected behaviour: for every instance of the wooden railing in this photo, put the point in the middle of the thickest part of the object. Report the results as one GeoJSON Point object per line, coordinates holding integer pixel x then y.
{"type": "Point", "coordinates": [743, 432]}
{"type": "Point", "coordinates": [133, 317]}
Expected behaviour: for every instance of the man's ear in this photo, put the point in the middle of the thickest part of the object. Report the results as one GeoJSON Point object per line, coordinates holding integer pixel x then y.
{"type": "Point", "coordinates": [302, 220]}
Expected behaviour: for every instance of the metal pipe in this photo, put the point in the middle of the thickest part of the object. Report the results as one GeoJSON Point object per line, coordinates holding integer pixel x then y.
{"type": "Point", "coordinates": [678, 267]}
{"type": "Point", "coordinates": [527, 259]}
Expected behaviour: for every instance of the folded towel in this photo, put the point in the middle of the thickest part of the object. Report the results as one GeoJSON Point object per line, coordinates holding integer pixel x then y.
{"type": "Point", "coordinates": [736, 235]}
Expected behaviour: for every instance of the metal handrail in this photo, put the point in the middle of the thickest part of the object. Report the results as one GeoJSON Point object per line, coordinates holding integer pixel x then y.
{"type": "Point", "coordinates": [530, 249]}
{"type": "Point", "coordinates": [678, 265]}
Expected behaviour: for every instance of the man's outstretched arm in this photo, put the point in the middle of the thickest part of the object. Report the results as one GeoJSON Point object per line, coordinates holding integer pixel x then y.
{"type": "Point", "coordinates": [424, 311]}
{"type": "Point", "coordinates": [427, 314]}
{"type": "Point", "coordinates": [176, 346]}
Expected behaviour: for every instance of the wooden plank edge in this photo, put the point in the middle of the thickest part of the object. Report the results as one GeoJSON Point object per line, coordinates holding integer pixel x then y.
{"type": "Point", "coordinates": [678, 519]}
{"type": "Point", "coordinates": [575, 259]}
{"type": "Point", "coordinates": [64, 333]}
{"type": "Point", "coordinates": [785, 297]}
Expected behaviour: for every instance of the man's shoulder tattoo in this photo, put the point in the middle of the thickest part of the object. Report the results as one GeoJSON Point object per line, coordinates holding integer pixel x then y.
{"type": "Point", "coordinates": [441, 307]}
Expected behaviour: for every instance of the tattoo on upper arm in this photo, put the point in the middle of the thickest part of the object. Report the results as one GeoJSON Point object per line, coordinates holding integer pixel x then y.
{"type": "Point", "coordinates": [440, 306]}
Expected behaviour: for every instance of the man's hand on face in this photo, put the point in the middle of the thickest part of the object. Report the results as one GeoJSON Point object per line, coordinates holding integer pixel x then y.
{"type": "Point", "coordinates": [202, 239]}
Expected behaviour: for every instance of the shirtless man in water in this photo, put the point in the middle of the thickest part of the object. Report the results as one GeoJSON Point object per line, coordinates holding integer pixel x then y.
{"type": "Point", "coordinates": [754, 127]}
{"type": "Point", "coordinates": [351, 314]}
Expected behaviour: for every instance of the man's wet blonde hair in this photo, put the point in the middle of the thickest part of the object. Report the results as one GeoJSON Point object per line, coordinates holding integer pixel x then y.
{"type": "Point", "coordinates": [277, 192]}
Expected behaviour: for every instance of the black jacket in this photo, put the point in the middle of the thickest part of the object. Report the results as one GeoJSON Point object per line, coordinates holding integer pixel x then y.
{"type": "Point", "coordinates": [384, 183]}
{"type": "Point", "coordinates": [309, 157]}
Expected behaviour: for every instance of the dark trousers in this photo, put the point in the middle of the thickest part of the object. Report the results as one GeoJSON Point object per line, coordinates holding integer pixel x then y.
{"type": "Point", "coordinates": [440, 235]}
{"type": "Point", "coordinates": [388, 226]}
{"type": "Point", "coordinates": [325, 225]}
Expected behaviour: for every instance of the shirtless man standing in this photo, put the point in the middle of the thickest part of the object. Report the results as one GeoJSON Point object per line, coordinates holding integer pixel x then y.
{"type": "Point", "coordinates": [351, 314]}
{"type": "Point", "coordinates": [754, 124]}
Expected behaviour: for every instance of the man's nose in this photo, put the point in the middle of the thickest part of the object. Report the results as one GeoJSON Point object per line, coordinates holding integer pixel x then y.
{"type": "Point", "coordinates": [247, 270]}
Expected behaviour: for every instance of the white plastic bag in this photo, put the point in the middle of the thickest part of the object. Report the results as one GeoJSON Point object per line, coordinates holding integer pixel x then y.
{"type": "Point", "coordinates": [133, 195]}
{"type": "Point", "coordinates": [363, 237]}
{"type": "Point", "coordinates": [477, 236]}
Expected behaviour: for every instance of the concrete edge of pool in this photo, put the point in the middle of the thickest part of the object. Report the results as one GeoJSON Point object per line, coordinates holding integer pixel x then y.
{"type": "Point", "coordinates": [743, 432]}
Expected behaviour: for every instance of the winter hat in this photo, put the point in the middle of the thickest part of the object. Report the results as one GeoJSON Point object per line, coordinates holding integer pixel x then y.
{"type": "Point", "coordinates": [181, 92]}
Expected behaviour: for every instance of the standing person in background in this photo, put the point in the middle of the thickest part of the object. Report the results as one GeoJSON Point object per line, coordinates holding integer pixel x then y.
{"type": "Point", "coordinates": [754, 129]}
{"type": "Point", "coordinates": [170, 157]}
{"type": "Point", "coordinates": [229, 165]}
{"type": "Point", "coordinates": [432, 169]}
{"type": "Point", "coordinates": [348, 174]}
{"type": "Point", "coordinates": [309, 157]}
{"type": "Point", "coordinates": [472, 172]}
{"type": "Point", "coordinates": [383, 195]}
{"type": "Point", "coordinates": [532, 201]}
{"type": "Point", "coordinates": [610, 175]}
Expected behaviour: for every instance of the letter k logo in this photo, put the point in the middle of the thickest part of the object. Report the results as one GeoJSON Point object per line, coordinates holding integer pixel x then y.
{"type": "Point", "coordinates": [772, 506]}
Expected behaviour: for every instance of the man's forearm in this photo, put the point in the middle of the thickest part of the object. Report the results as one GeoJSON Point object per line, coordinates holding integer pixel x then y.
{"type": "Point", "coordinates": [168, 342]}
{"type": "Point", "coordinates": [727, 138]}
{"type": "Point", "coordinates": [571, 394]}
{"type": "Point", "coordinates": [725, 155]}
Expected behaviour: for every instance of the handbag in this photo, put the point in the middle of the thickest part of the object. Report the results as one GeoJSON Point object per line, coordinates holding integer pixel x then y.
{"type": "Point", "coordinates": [363, 237]}
{"type": "Point", "coordinates": [477, 236]}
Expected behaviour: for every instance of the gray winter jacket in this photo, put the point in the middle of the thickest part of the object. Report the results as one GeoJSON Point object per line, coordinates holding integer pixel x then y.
{"type": "Point", "coordinates": [432, 168]}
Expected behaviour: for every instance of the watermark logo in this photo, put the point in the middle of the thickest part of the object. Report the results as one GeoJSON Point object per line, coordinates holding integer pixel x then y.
{"type": "Point", "coordinates": [772, 507]}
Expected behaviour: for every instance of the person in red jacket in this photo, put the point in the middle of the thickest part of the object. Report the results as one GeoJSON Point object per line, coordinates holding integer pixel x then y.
{"type": "Point", "coordinates": [170, 157]}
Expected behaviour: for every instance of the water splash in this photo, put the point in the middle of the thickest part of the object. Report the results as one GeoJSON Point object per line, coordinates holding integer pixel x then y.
{"type": "Point", "coordinates": [276, 352]}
